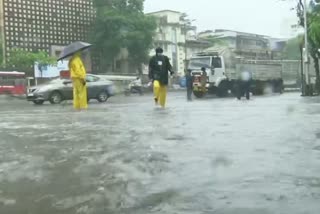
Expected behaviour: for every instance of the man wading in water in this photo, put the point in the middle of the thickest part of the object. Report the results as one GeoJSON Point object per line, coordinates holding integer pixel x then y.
{"type": "Point", "coordinates": [159, 68]}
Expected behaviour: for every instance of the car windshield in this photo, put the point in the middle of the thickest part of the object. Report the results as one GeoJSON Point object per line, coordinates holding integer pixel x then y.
{"type": "Point", "coordinates": [198, 63]}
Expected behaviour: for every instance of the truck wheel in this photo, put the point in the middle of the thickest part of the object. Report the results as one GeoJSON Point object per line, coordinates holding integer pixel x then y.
{"type": "Point", "coordinates": [198, 94]}
{"type": "Point", "coordinates": [223, 89]}
{"type": "Point", "coordinates": [255, 91]}
{"type": "Point", "coordinates": [269, 89]}
{"type": "Point", "coordinates": [279, 87]}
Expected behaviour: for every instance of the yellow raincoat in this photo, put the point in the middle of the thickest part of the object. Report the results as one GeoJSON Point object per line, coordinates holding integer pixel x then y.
{"type": "Point", "coordinates": [78, 76]}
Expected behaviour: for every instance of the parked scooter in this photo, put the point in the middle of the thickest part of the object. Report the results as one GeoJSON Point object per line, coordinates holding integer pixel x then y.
{"type": "Point", "coordinates": [134, 87]}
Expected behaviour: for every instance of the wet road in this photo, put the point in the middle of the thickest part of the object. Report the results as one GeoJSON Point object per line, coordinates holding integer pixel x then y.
{"type": "Point", "coordinates": [212, 156]}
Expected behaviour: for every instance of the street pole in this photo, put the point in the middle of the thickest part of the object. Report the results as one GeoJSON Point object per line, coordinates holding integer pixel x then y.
{"type": "Point", "coordinates": [185, 49]}
{"type": "Point", "coordinates": [306, 54]}
{"type": "Point", "coordinates": [187, 23]}
{"type": "Point", "coordinates": [303, 92]}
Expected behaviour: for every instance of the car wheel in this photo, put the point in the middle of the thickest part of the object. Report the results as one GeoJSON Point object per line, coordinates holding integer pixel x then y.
{"type": "Point", "coordinates": [38, 102]}
{"type": "Point", "coordinates": [55, 98]}
{"type": "Point", "coordinates": [103, 97]}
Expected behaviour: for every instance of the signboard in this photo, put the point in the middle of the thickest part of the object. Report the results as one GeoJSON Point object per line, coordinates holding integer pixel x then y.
{"type": "Point", "coordinates": [50, 71]}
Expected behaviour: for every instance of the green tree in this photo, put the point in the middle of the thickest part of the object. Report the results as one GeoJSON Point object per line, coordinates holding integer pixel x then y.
{"type": "Point", "coordinates": [292, 48]}
{"type": "Point", "coordinates": [122, 24]}
{"type": "Point", "coordinates": [313, 18]}
{"type": "Point", "coordinates": [139, 39]}
{"type": "Point", "coordinates": [22, 60]}
{"type": "Point", "coordinates": [314, 40]}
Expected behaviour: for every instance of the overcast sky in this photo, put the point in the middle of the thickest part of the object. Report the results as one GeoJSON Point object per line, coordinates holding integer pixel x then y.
{"type": "Point", "coordinates": [268, 17]}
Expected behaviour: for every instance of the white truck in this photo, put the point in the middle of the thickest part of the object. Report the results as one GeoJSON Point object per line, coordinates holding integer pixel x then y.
{"type": "Point", "coordinates": [223, 69]}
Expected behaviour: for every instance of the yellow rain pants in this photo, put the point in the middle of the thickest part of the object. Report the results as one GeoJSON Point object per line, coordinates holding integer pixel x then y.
{"type": "Point", "coordinates": [80, 100]}
{"type": "Point", "coordinates": [160, 93]}
{"type": "Point", "coordinates": [78, 76]}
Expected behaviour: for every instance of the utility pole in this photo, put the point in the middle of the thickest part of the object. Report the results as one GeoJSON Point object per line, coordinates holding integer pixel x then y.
{"type": "Point", "coordinates": [187, 25]}
{"type": "Point", "coordinates": [303, 91]}
{"type": "Point", "coordinates": [185, 47]}
{"type": "Point", "coordinates": [306, 53]}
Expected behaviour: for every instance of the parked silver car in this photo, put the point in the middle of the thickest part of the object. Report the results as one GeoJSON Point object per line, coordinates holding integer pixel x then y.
{"type": "Point", "coordinates": [58, 90]}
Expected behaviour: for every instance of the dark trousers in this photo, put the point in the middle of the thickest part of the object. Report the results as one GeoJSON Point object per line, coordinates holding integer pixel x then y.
{"type": "Point", "coordinates": [243, 89]}
{"type": "Point", "coordinates": [189, 94]}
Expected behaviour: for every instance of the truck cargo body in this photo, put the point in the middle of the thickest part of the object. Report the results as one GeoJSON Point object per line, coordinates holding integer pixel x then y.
{"type": "Point", "coordinates": [223, 70]}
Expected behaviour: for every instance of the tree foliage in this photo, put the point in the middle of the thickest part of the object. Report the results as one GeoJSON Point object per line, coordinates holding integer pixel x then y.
{"type": "Point", "coordinates": [292, 48]}
{"type": "Point", "coordinates": [22, 60]}
{"type": "Point", "coordinates": [122, 24]}
{"type": "Point", "coordinates": [313, 28]}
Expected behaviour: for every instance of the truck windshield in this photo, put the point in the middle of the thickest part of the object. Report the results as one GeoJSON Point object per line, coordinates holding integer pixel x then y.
{"type": "Point", "coordinates": [198, 63]}
{"type": "Point", "coordinates": [216, 62]}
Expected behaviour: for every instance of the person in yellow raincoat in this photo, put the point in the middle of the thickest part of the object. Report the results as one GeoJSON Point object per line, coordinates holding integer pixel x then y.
{"type": "Point", "coordinates": [159, 68]}
{"type": "Point", "coordinates": [78, 76]}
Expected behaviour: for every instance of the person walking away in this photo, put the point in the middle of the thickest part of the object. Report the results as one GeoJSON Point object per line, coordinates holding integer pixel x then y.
{"type": "Point", "coordinates": [204, 79]}
{"type": "Point", "coordinates": [189, 81]}
{"type": "Point", "coordinates": [244, 84]}
{"type": "Point", "coordinates": [159, 68]}
{"type": "Point", "coordinates": [78, 77]}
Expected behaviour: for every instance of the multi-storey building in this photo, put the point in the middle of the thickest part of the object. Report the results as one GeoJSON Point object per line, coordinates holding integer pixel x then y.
{"type": "Point", "coordinates": [172, 35]}
{"type": "Point", "coordinates": [46, 25]}
{"type": "Point", "coordinates": [245, 44]}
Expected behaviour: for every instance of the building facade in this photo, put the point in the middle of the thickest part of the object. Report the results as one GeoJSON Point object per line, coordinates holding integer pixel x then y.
{"type": "Point", "coordinates": [177, 42]}
{"type": "Point", "coordinates": [171, 37]}
{"type": "Point", "coordinates": [44, 25]}
{"type": "Point", "coordinates": [195, 46]}
{"type": "Point", "coordinates": [245, 44]}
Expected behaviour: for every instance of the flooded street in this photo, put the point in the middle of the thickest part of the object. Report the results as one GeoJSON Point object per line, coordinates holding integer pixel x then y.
{"type": "Point", "coordinates": [211, 156]}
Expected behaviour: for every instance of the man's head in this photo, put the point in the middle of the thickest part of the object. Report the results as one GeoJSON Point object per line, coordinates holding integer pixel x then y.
{"type": "Point", "coordinates": [159, 51]}
{"type": "Point", "coordinates": [203, 69]}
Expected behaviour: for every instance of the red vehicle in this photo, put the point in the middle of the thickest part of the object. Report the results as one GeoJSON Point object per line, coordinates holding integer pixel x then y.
{"type": "Point", "coordinates": [65, 74]}
{"type": "Point", "coordinates": [12, 82]}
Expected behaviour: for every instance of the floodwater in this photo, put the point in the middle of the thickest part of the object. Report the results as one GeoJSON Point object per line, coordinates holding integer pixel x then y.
{"type": "Point", "coordinates": [211, 156]}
